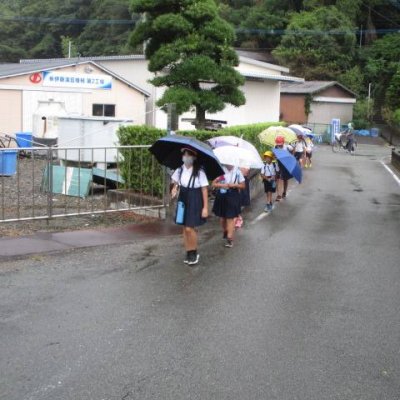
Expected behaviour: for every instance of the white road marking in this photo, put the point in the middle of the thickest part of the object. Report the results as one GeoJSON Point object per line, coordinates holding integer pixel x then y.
{"type": "Point", "coordinates": [259, 218]}
{"type": "Point", "coordinates": [394, 176]}
{"type": "Point", "coordinates": [265, 214]}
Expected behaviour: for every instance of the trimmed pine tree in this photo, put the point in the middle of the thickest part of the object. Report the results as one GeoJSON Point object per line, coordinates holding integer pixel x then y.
{"type": "Point", "coordinates": [189, 48]}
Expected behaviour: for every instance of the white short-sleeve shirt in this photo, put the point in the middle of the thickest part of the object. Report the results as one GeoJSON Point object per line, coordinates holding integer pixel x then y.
{"type": "Point", "coordinates": [183, 178]}
{"type": "Point", "coordinates": [268, 169]}
{"type": "Point", "coordinates": [233, 176]}
{"type": "Point", "coordinates": [300, 146]}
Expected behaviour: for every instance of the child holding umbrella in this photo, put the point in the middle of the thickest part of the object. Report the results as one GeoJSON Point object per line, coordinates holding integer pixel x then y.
{"type": "Point", "coordinates": [227, 204]}
{"type": "Point", "coordinates": [193, 194]}
{"type": "Point", "coordinates": [282, 176]}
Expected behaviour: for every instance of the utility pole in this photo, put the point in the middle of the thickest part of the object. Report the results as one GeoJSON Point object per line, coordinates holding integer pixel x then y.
{"type": "Point", "coordinates": [172, 121]}
{"type": "Point", "coordinates": [69, 48]}
{"type": "Point", "coordinates": [369, 102]}
{"type": "Point", "coordinates": [172, 126]}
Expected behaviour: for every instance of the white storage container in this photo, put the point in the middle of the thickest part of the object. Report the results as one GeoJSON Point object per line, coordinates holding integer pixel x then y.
{"type": "Point", "coordinates": [88, 133]}
{"type": "Point", "coordinates": [45, 119]}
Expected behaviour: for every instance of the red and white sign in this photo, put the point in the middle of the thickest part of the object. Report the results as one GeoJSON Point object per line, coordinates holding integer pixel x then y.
{"type": "Point", "coordinates": [36, 78]}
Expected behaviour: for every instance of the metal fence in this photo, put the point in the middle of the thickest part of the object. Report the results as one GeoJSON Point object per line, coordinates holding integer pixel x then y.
{"type": "Point", "coordinates": [44, 183]}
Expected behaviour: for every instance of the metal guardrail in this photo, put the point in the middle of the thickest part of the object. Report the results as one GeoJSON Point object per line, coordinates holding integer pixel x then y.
{"type": "Point", "coordinates": [39, 183]}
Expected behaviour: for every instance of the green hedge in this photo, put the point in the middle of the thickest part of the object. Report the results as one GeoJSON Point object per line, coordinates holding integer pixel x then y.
{"type": "Point", "coordinates": [248, 132]}
{"type": "Point", "coordinates": [138, 167]}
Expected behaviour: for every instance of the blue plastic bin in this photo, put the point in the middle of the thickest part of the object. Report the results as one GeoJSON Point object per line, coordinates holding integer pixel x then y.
{"type": "Point", "coordinates": [8, 162]}
{"type": "Point", "coordinates": [374, 132]}
{"type": "Point", "coordinates": [24, 139]}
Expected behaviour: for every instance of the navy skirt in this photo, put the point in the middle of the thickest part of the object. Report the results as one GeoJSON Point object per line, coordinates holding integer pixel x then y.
{"type": "Point", "coordinates": [227, 205]}
{"type": "Point", "coordinates": [245, 194]}
{"type": "Point", "coordinates": [193, 200]}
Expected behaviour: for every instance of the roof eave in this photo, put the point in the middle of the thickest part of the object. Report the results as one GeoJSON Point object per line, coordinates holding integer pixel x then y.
{"type": "Point", "coordinates": [279, 78]}
{"type": "Point", "coordinates": [263, 64]}
{"type": "Point", "coordinates": [37, 70]}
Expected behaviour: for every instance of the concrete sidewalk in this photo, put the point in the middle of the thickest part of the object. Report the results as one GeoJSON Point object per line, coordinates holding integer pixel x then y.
{"type": "Point", "coordinates": [47, 242]}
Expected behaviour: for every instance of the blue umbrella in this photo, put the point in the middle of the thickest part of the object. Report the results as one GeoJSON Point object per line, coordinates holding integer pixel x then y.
{"type": "Point", "coordinates": [168, 152]}
{"type": "Point", "coordinates": [289, 163]}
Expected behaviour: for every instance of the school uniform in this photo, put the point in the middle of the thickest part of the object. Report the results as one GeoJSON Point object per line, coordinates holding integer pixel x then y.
{"type": "Point", "coordinates": [245, 193]}
{"type": "Point", "coordinates": [309, 149]}
{"type": "Point", "coordinates": [299, 149]}
{"type": "Point", "coordinates": [269, 171]}
{"type": "Point", "coordinates": [190, 193]}
{"type": "Point", "coordinates": [227, 201]}
{"type": "Point", "coordinates": [280, 170]}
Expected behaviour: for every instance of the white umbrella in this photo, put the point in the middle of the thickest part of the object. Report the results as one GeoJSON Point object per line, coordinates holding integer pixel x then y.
{"type": "Point", "coordinates": [298, 129]}
{"type": "Point", "coordinates": [232, 141]}
{"type": "Point", "coordinates": [238, 157]}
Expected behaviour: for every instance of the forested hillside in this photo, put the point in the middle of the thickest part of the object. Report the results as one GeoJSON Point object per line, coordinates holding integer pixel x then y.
{"type": "Point", "coordinates": [354, 41]}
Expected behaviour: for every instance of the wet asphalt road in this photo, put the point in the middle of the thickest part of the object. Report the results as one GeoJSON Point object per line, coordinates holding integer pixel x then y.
{"type": "Point", "coordinates": [305, 306]}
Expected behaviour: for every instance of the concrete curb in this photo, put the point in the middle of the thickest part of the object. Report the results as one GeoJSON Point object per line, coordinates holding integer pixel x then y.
{"type": "Point", "coordinates": [49, 242]}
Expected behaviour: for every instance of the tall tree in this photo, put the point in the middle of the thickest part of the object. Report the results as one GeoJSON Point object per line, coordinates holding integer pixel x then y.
{"type": "Point", "coordinates": [318, 44]}
{"type": "Point", "coordinates": [381, 69]}
{"type": "Point", "coordinates": [189, 47]}
{"type": "Point", "coordinates": [106, 39]}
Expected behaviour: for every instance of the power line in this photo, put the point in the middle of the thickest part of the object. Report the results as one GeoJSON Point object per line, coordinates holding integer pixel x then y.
{"type": "Point", "coordinates": [381, 15]}
{"type": "Point", "coordinates": [302, 32]}
{"type": "Point", "coordinates": [272, 32]}
{"type": "Point", "coordinates": [68, 21]}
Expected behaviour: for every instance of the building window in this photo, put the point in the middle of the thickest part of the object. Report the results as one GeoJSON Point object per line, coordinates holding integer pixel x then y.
{"type": "Point", "coordinates": [103, 110]}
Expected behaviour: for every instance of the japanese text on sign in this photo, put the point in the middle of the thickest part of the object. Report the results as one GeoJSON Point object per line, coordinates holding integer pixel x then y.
{"type": "Point", "coordinates": [70, 80]}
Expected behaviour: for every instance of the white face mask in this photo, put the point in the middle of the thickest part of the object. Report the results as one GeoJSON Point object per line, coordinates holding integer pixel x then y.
{"type": "Point", "coordinates": [188, 160]}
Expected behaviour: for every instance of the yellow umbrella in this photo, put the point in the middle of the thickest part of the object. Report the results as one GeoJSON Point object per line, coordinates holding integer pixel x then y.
{"type": "Point", "coordinates": [268, 136]}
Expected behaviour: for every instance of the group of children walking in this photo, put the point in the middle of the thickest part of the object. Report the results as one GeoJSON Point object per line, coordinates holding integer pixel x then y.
{"type": "Point", "coordinates": [275, 176]}
{"type": "Point", "coordinates": [190, 185]}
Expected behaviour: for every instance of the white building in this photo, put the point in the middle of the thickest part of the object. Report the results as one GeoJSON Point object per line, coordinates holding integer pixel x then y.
{"type": "Point", "coordinates": [85, 88]}
{"type": "Point", "coordinates": [261, 88]}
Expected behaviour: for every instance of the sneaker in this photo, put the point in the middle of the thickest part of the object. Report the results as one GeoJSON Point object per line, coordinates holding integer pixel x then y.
{"type": "Point", "coordinates": [194, 258]}
{"type": "Point", "coordinates": [310, 165]}
{"type": "Point", "coordinates": [270, 207]}
{"type": "Point", "coordinates": [229, 243]}
{"type": "Point", "coordinates": [283, 195]}
{"type": "Point", "coordinates": [278, 198]}
{"type": "Point", "coordinates": [186, 260]}
{"type": "Point", "coordinates": [266, 208]}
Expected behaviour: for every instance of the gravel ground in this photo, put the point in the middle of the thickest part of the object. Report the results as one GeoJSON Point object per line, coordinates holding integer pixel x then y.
{"type": "Point", "coordinates": [21, 196]}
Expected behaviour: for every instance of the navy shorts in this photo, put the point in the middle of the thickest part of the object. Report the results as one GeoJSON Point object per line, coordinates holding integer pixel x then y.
{"type": "Point", "coordinates": [269, 186]}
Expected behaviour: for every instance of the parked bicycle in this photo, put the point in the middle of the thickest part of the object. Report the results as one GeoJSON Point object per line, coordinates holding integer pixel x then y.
{"type": "Point", "coordinates": [9, 142]}
{"type": "Point", "coordinates": [342, 142]}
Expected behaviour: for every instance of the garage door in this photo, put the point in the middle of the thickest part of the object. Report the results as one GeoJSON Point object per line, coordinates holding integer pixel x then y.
{"type": "Point", "coordinates": [30, 102]}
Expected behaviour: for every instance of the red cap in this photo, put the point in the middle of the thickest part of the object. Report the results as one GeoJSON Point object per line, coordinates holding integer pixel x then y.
{"type": "Point", "coordinates": [279, 140]}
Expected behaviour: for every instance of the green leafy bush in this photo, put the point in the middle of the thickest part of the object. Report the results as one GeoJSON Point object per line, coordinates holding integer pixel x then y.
{"type": "Point", "coordinates": [396, 117]}
{"type": "Point", "coordinates": [362, 113]}
{"type": "Point", "coordinates": [139, 169]}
